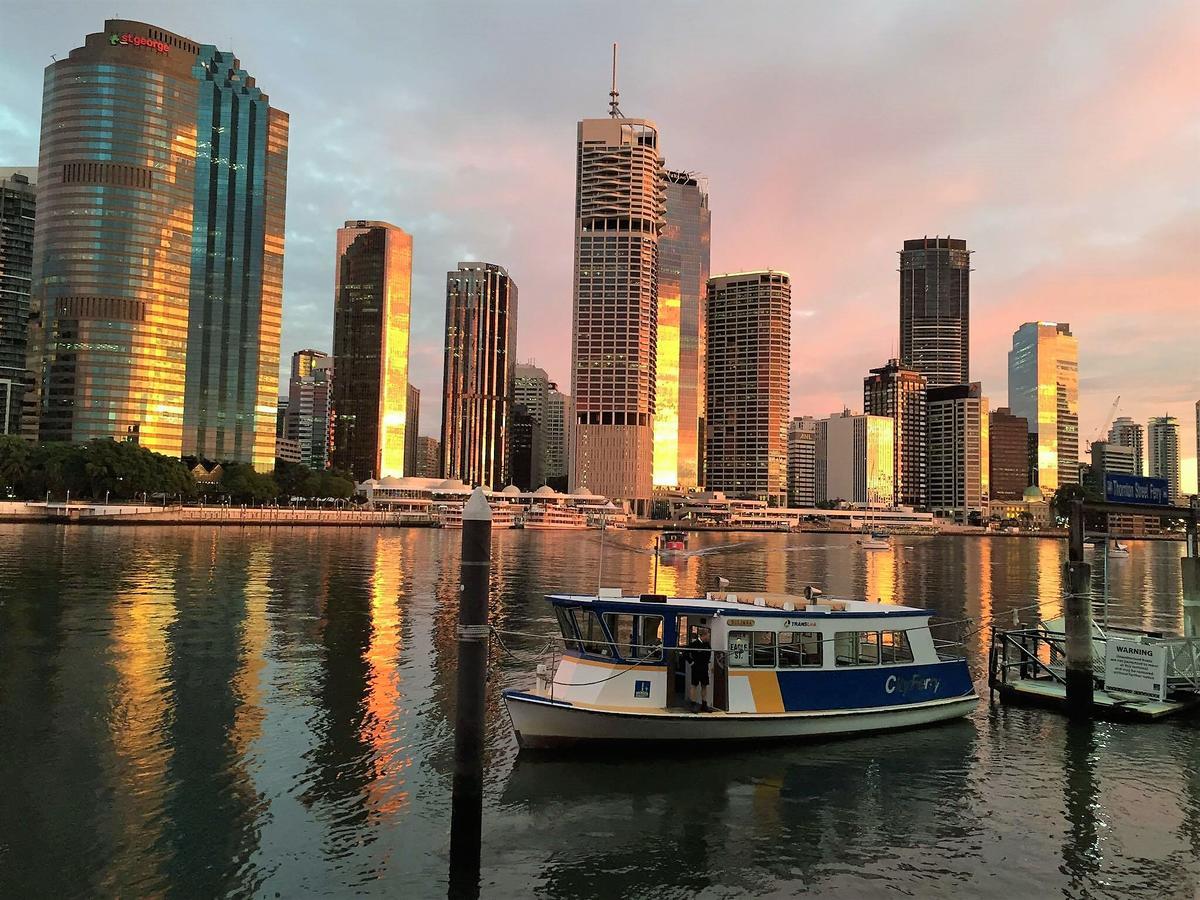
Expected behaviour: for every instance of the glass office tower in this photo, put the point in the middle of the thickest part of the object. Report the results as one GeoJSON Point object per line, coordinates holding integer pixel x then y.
{"type": "Point", "coordinates": [18, 203]}
{"type": "Point", "coordinates": [935, 309]}
{"type": "Point", "coordinates": [370, 348]}
{"type": "Point", "coordinates": [1043, 388]}
{"type": "Point", "coordinates": [161, 178]}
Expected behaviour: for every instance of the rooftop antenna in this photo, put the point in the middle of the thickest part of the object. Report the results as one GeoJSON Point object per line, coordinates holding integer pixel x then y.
{"type": "Point", "coordinates": [614, 111]}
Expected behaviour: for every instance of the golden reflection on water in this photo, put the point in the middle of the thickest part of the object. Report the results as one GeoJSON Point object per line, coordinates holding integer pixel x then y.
{"type": "Point", "coordinates": [380, 725]}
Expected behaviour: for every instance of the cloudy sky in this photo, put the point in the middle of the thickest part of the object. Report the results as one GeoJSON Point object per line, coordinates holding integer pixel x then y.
{"type": "Point", "coordinates": [1061, 140]}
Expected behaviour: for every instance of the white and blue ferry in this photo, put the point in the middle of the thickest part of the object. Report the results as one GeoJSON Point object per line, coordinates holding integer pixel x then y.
{"type": "Point", "coordinates": [736, 667]}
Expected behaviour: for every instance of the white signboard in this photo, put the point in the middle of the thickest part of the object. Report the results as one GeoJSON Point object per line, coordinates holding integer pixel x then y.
{"type": "Point", "coordinates": [1131, 667]}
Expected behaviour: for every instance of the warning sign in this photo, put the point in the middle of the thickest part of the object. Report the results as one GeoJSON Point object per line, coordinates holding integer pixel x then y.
{"type": "Point", "coordinates": [1131, 667]}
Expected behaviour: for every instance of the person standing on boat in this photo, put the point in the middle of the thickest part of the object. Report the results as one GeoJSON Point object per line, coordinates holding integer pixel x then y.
{"type": "Point", "coordinates": [699, 654]}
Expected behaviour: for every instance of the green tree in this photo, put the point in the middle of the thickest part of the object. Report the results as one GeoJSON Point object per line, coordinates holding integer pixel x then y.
{"type": "Point", "coordinates": [244, 485]}
{"type": "Point", "coordinates": [15, 465]}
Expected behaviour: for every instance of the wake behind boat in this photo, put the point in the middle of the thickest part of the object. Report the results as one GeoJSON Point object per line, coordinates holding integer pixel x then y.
{"type": "Point", "coordinates": [736, 667]}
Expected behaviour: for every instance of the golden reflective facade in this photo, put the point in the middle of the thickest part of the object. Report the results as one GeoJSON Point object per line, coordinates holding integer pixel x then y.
{"type": "Point", "coordinates": [683, 261]}
{"type": "Point", "coordinates": [1043, 387]}
{"type": "Point", "coordinates": [160, 250]}
{"type": "Point", "coordinates": [855, 459]}
{"type": "Point", "coordinates": [370, 348]}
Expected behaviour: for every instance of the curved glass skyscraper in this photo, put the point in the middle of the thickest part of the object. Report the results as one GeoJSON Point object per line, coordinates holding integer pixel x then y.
{"type": "Point", "coordinates": [157, 272]}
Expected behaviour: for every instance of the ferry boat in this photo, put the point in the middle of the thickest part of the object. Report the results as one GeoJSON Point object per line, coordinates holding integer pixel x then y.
{"type": "Point", "coordinates": [673, 542]}
{"type": "Point", "coordinates": [551, 516]}
{"type": "Point", "coordinates": [778, 666]}
{"type": "Point", "coordinates": [450, 515]}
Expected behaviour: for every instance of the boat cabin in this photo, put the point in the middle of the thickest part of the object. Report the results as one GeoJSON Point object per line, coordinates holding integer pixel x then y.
{"type": "Point", "coordinates": [764, 653]}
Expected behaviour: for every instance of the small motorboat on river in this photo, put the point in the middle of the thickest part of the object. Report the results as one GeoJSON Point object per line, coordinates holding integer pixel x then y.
{"type": "Point", "coordinates": [736, 667]}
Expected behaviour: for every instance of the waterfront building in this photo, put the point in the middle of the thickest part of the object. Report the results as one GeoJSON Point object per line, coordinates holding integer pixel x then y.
{"type": "Point", "coordinates": [158, 260]}
{"type": "Point", "coordinates": [935, 309]}
{"type": "Point", "coordinates": [370, 348]}
{"type": "Point", "coordinates": [1008, 455]}
{"type": "Point", "coordinates": [287, 450]}
{"type": "Point", "coordinates": [1043, 388]}
{"type": "Point", "coordinates": [480, 367]}
{"type": "Point", "coordinates": [559, 435]}
{"type": "Point", "coordinates": [18, 206]}
{"type": "Point", "coordinates": [747, 390]}
{"type": "Point", "coordinates": [899, 393]}
{"type": "Point", "coordinates": [802, 461]}
{"type": "Point", "coordinates": [683, 266]}
{"type": "Point", "coordinates": [412, 426]}
{"type": "Point", "coordinates": [619, 210]}
{"type": "Point", "coordinates": [309, 409]}
{"type": "Point", "coordinates": [525, 449]}
{"type": "Point", "coordinates": [958, 451]}
{"type": "Point", "coordinates": [1109, 457]}
{"type": "Point", "coordinates": [857, 457]}
{"type": "Point", "coordinates": [715, 508]}
{"type": "Point", "coordinates": [1128, 433]}
{"type": "Point", "coordinates": [1164, 453]}
{"type": "Point", "coordinates": [429, 458]}
{"type": "Point", "coordinates": [531, 388]}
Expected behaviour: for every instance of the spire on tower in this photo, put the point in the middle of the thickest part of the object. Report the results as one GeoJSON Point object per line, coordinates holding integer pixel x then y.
{"type": "Point", "coordinates": [614, 111]}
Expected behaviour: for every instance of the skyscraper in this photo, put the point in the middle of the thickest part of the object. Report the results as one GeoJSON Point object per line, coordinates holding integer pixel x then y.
{"type": "Point", "coordinates": [802, 461]}
{"type": "Point", "coordinates": [412, 429]}
{"type": "Point", "coordinates": [1043, 388]}
{"type": "Point", "coordinates": [899, 393]}
{"type": "Point", "coordinates": [309, 406]}
{"type": "Point", "coordinates": [935, 309]}
{"type": "Point", "coordinates": [619, 210]}
{"type": "Point", "coordinates": [856, 459]}
{"type": "Point", "coordinates": [749, 354]}
{"type": "Point", "coordinates": [559, 438]}
{"type": "Point", "coordinates": [958, 451]}
{"type": "Point", "coordinates": [683, 254]}
{"type": "Point", "coordinates": [1008, 455]}
{"type": "Point", "coordinates": [1164, 453]}
{"type": "Point", "coordinates": [480, 365]}
{"type": "Point", "coordinates": [1128, 433]}
{"type": "Point", "coordinates": [1108, 457]}
{"type": "Point", "coordinates": [429, 458]}
{"type": "Point", "coordinates": [370, 348]}
{"type": "Point", "coordinates": [18, 205]}
{"type": "Point", "coordinates": [157, 271]}
{"type": "Point", "coordinates": [525, 450]}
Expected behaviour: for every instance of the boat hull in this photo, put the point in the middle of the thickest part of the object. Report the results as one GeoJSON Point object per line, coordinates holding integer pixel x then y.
{"type": "Point", "coordinates": [542, 723]}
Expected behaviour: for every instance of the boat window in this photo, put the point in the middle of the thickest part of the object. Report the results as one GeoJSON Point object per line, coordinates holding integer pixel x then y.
{"type": "Point", "coordinates": [592, 634]}
{"type": "Point", "coordinates": [856, 648]}
{"type": "Point", "coordinates": [895, 647]}
{"type": "Point", "coordinates": [636, 637]}
{"type": "Point", "coordinates": [567, 626]}
{"type": "Point", "coordinates": [799, 648]}
{"type": "Point", "coordinates": [739, 650]}
{"type": "Point", "coordinates": [764, 649]}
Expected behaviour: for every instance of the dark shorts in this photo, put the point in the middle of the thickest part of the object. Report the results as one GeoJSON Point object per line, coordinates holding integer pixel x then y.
{"type": "Point", "coordinates": [699, 674]}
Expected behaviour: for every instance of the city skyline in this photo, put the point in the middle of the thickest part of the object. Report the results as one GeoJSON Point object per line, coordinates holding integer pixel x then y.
{"type": "Point", "coordinates": [1093, 228]}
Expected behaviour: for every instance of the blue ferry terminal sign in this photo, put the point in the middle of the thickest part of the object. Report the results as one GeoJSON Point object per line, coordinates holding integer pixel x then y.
{"type": "Point", "coordinates": [1135, 489]}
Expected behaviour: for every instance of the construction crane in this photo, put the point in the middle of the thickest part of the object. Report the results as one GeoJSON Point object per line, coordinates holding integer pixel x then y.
{"type": "Point", "coordinates": [1100, 435]}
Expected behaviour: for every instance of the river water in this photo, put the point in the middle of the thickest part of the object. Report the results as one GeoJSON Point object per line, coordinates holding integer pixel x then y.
{"type": "Point", "coordinates": [210, 712]}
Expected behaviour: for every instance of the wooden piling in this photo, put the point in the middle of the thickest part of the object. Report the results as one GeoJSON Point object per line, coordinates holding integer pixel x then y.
{"type": "Point", "coordinates": [1077, 616]}
{"type": "Point", "coordinates": [466, 816]}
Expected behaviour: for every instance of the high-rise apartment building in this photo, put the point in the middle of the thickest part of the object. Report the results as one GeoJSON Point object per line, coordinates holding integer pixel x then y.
{"type": "Point", "coordinates": [899, 393]}
{"type": "Point", "coordinates": [308, 421]}
{"type": "Point", "coordinates": [559, 434]}
{"type": "Point", "coordinates": [747, 394]}
{"type": "Point", "coordinates": [856, 459]}
{"type": "Point", "coordinates": [158, 263]}
{"type": "Point", "coordinates": [531, 388]}
{"type": "Point", "coordinates": [1128, 433]}
{"type": "Point", "coordinates": [620, 201]}
{"type": "Point", "coordinates": [802, 462]}
{"type": "Point", "coordinates": [1109, 457]}
{"type": "Point", "coordinates": [525, 452]}
{"type": "Point", "coordinates": [412, 428]}
{"type": "Point", "coordinates": [371, 313]}
{"type": "Point", "coordinates": [480, 366]}
{"type": "Point", "coordinates": [18, 205]}
{"type": "Point", "coordinates": [683, 260]}
{"type": "Point", "coordinates": [429, 458]}
{"type": "Point", "coordinates": [1043, 388]}
{"type": "Point", "coordinates": [935, 309]}
{"type": "Point", "coordinates": [958, 451]}
{"type": "Point", "coordinates": [1164, 453]}
{"type": "Point", "coordinates": [1008, 455]}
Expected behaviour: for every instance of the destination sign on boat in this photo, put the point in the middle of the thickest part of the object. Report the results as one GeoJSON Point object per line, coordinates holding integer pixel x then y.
{"type": "Point", "coordinates": [1138, 489]}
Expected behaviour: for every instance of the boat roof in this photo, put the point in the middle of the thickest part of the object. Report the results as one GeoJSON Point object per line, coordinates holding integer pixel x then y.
{"type": "Point", "coordinates": [739, 602]}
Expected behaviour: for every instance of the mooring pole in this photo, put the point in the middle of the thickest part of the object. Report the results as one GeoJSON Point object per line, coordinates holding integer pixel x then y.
{"type": "Point", "coordinates": [1078, 620]}
{"type": "Point", "coordinates": [1190, 566]}
{"type": "Point", "coordinates": [466, 816]}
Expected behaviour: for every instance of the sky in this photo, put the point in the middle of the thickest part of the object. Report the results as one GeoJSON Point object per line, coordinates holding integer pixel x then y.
{"type": "Point", "coordinates": [1061, 140]}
